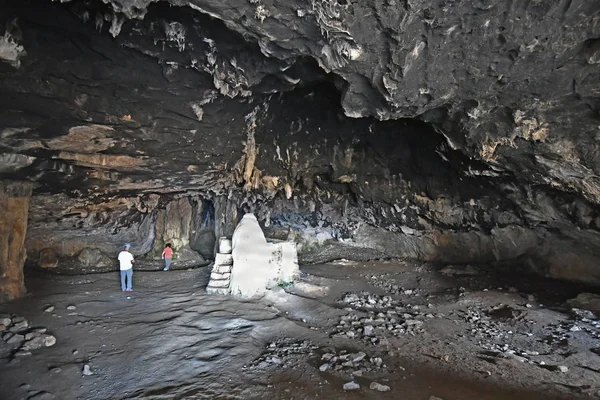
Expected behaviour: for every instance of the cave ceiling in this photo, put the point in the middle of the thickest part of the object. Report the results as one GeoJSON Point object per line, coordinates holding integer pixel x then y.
{"type": "Point", "coordinates": [137, 96]}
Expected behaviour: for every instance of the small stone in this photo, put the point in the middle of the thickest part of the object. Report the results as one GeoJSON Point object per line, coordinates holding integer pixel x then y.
{"type": "Point", "coordinates": [15, 339]}
{"type": "Point", "coordinates": [562, 368]}
{"type": "Point", "coordinates": [75, 352]}
{"type": "Point", "coordinates": [368, 330]}
{"type": "Point", "coordinates": [379, 387]}
{"type": "Point", "coordinates": [22, 353]}
{"type": "Point", "coordinates": [31, 335]}
{"type": "Point", "coordinates": [87, 371]}
{"type": "Point", "coordinates": [42, 340]}
{"type": "Point", "coordinates": [5, 320]}
{"type": "Point", "coordinates": [19, 326]}
{"type": "Point", "coordinates": [357, 373]}
{"type": "Point", "coordinates": [324, 367]}
{"type": "Point", "coordinates": [351, 386]}
{"type": "Point", "coordinates": [71, 307]}
{"type": "Point", "coordinates": [49, 309]}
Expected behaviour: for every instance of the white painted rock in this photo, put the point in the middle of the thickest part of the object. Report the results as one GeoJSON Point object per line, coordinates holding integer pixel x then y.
{"type": "Point", "coordinates": [257, 264]}
{"type": "Point", "coordinates": [225, 246]}
{"type": "Point", "coordinates": [87, 371]}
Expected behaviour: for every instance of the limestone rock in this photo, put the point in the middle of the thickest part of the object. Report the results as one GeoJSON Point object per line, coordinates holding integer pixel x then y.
{"type": "Point", "coordinates": [48, 258]}
{"type": "Point", "coordinates": [5, 320]}
{"type": "Point", "coordinates": [89, 257]}
{"type": "Point", "coordinates": [37, 342]}
{"type": "Point", "coordinates": [13, 338]}
{"type": "Point", "coordinates": [14, 210]}
{"type": "Point", "coordinates": [379, 387]}
{"type": "Point", "coordinates": [351, 386]}
{"type": "Point", "coordinates": [19, 324]}
{"type": "Point", "coordinates": [257, 264]}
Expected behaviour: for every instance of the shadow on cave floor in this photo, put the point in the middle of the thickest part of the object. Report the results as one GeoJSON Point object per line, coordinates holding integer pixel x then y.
{"type": "Point", "coordinates": [169, 340]}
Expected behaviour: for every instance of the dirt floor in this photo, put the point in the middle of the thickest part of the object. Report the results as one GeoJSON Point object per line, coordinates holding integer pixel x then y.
{"type": "Point", "coordinates": [466, 333]}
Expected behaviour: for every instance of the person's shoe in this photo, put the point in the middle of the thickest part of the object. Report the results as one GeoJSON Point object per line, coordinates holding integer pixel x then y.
{"type": "Point", "coordinates": [165, 269]}
{"type": "Point", "coordinates": [129, 290]}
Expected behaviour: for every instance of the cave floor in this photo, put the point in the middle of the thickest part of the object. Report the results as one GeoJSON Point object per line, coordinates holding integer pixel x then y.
{"type": "Point", "coordinates": [475, 337]}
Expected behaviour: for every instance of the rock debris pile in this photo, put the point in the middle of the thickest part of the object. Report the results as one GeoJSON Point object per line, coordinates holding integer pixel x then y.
{"type": "Point", "coordinates": [583, 321]}
{"type": "Point", "coordinates": [390, 285]}
{"type": "Point", "coordinates": [18, 333]}
{"type": "Point", "coordinates": [373, 317]}
{"type": "Point", "coordinates": [282, 352]}
{"type": "Point", "coordinates": [345, 362]}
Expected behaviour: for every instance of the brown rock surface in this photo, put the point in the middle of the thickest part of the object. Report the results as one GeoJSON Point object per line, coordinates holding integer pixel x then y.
{"type": "Point", "coordinates": [14, 208]}
{"type": "Point", "coordinates": [48, 258]}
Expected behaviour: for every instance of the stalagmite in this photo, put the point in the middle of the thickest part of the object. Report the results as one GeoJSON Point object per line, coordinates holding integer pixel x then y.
{"type": "Point", "coordinates": [14, 208]}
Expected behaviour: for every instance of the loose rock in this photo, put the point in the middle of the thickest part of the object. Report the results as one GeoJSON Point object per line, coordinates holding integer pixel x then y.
{"type": "Point", "coordinates": [351, 386]}
{"type": "Point", "coordinates": [87, 371]}
{"type": "Point", "coordinates": [379, 387]}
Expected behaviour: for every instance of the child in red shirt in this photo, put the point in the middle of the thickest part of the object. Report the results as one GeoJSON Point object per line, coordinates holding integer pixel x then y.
{"type": "Point", "coordinates": [167, 255]}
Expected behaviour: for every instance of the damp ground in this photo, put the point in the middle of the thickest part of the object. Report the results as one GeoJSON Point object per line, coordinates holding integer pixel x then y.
{"type": "Point", "coordinates": [457, 334]}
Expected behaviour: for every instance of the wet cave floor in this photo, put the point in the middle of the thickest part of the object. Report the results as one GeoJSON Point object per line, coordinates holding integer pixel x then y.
{"type": "Point", "coordinates": [462, 334]}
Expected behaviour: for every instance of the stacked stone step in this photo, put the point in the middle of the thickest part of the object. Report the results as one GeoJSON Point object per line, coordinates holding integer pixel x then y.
{"type": "Point", "coordinates": [220, 275]}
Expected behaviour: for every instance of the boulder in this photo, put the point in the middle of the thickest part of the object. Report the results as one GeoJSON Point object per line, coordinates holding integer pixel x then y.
{"type": "Point", "coordinates": [48, 258]}
{"type": "Point", "coordinates": [257, 264]}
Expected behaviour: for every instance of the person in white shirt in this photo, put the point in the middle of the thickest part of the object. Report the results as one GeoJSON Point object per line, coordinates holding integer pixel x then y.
{"type": "Point", "coordinates": [126, 261]}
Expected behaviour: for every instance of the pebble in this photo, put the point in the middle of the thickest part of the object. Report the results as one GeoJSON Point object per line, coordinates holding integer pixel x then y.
{"type": "Point", "coordinates": [49, 309]}
{"type": "Point", "coordinates": [379, 387]}
{"type": "Point", "coordinates": [87, 371]}
{"type": "Point", "coordinates": [5, 320]}
{"type": "Point", "coordinates": [40, 341]}
{"type": "Point", "coordinates": [351, 386]}
{"type": "Point", "coordinates": [71, 307]}
{"type": "Point", "coordinates": [562, 368]}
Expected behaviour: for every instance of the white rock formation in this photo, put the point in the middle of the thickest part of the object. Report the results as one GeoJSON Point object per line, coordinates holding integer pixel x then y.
{"type": "Point", "coordinates": [257, 264]}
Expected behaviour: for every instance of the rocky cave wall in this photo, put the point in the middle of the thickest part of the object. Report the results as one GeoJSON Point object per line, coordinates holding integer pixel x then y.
{"type": "Point", "coordinates": [438, 130]}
